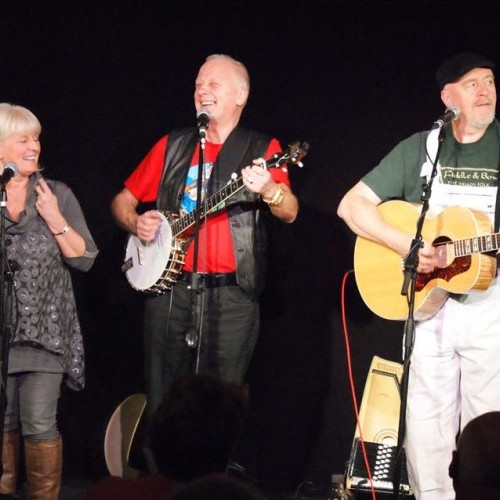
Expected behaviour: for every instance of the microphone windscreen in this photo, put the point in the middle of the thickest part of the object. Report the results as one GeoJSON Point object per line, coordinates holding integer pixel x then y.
{"type": "Point", "coordinates": [11, 166]}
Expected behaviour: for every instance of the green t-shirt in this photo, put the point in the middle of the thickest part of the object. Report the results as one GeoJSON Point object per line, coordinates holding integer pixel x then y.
{"type": "Point", "coordinates": [399, 174]}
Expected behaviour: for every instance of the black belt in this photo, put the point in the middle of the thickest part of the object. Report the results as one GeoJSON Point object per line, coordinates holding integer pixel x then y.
{"type": "Point", "coordinates": [211, 280]}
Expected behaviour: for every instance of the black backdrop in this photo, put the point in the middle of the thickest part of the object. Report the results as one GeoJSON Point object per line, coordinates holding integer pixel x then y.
{"type": "Point", "coordinates": [108, 78]}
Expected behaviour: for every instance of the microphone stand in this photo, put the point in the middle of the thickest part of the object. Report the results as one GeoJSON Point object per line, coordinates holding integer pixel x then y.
{"type": "Point", "coordinates": [408, 289]}
{"type": "Point", "coordinates": [193, 335]}
{"type": "Point", "coordinates": [6, 287]}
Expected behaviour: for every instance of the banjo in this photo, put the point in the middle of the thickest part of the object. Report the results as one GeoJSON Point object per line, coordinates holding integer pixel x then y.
{"type": "Point", "coordinates": [153, 267]}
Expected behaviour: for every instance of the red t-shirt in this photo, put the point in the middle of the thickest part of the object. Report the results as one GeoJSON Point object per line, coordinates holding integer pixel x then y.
{"type": "Point", "coordinates": [216, 253]}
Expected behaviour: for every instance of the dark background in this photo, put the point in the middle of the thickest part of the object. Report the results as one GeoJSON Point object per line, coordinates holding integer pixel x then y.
{"type": "Point", "coordinates": [108, 78]}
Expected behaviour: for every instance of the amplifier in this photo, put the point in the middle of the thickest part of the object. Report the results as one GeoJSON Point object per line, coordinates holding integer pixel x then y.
{"type": "Point", "coordinates": [379, 422]}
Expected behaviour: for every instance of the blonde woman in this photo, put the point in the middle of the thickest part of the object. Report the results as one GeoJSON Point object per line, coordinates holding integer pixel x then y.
{"type": "Point", "coordinates": [45, 235]}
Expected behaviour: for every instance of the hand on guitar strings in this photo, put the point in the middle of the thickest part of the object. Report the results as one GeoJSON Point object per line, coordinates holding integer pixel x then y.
{"type": "Point", "coordinates": [426, 259]}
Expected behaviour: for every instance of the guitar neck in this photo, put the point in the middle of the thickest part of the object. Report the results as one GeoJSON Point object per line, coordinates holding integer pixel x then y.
{"type": "Point", "coordinates": [477, 244]}
{"type": "Point", "coordinates": [208, 206]}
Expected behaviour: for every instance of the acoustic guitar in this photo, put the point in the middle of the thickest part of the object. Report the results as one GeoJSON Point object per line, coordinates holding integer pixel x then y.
{"type": "Point", "coordinates": [462, 237]}
{"type": "Point", "coordinates": [120, 433]}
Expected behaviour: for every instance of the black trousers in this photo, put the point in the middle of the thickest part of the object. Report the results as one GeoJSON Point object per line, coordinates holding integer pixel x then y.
{"type": "Point", "coordinates": [228, 334]}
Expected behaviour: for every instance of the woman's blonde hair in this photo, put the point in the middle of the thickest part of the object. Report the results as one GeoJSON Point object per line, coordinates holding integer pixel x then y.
{"type": "Point", "coordinates": [16, 119]}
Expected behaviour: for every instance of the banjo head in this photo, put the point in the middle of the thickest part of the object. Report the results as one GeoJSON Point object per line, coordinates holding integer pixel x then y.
{"type": "Point", "coordinates": [147, 263]}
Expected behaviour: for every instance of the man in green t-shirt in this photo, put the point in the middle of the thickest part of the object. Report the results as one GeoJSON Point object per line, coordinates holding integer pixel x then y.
{"type": "Point", "coordinates": [455, 357]}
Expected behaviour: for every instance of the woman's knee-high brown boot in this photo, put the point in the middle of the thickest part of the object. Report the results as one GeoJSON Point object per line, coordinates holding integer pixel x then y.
{"type": "Point", "coordinates": [43, 468]}
{"type": "Point", "coordinates": [10, 462]}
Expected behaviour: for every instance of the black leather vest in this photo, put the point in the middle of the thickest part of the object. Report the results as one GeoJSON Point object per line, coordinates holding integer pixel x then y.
{"type": "Point", "coordinates": [244, 207]}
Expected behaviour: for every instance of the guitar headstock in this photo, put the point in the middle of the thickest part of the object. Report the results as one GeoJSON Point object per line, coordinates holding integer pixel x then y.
{"type": "Point", "coordinates": [292, 156]}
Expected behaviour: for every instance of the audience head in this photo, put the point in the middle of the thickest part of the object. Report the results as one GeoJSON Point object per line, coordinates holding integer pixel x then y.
{"type": "Point", "coordinates": [475, 465]}
{"type": "Point", "coordinates": [196, 426]}
{"type": "Point", "coordinates": [217, 487]}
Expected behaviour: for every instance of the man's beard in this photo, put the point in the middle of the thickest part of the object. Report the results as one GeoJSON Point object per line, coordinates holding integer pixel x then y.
{"type": "Point", "coordinates": [482, 123]}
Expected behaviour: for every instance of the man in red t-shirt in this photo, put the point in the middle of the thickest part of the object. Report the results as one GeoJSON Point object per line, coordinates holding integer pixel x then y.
{"type": "Point", "coordinates": [231, 243]}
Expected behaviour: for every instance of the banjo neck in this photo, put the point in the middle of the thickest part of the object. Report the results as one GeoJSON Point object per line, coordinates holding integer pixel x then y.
{"type": "Point", "coordinates": [293, 154]}
{"type": "Point", "coordinates": [209, 205]}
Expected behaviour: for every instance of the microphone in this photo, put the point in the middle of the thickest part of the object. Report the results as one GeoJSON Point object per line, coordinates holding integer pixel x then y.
{"type": "Point", "coordinates": [449, 115]}
{"type": "Point", "coordinates": [9, 170]}
{"type": "Point", "coordinates": [203, 118]}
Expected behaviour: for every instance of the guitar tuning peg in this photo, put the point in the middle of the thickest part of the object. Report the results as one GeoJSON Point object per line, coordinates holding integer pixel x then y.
{"type": "Point", "coordinates": [300, 164]}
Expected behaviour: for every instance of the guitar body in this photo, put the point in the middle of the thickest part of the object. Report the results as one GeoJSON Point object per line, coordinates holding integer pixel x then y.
{"type": "Point", "coordinates": [120, 433]}
{"type": "Point", "coordinates": [379, 270]}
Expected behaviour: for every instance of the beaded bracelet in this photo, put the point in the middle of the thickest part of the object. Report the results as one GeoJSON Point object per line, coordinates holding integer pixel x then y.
{"type": "Point", "coordinates": [65, 229]}
{"type": "Point", "coordinates": [277, 197]}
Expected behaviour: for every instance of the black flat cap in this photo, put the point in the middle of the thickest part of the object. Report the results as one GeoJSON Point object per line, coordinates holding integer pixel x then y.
{"type": "Point", "coordinates": [456, 66]}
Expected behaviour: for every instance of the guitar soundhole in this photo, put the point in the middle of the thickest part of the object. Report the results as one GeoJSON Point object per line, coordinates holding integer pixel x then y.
{"type": "Point", "coordinates": [458, 266]}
